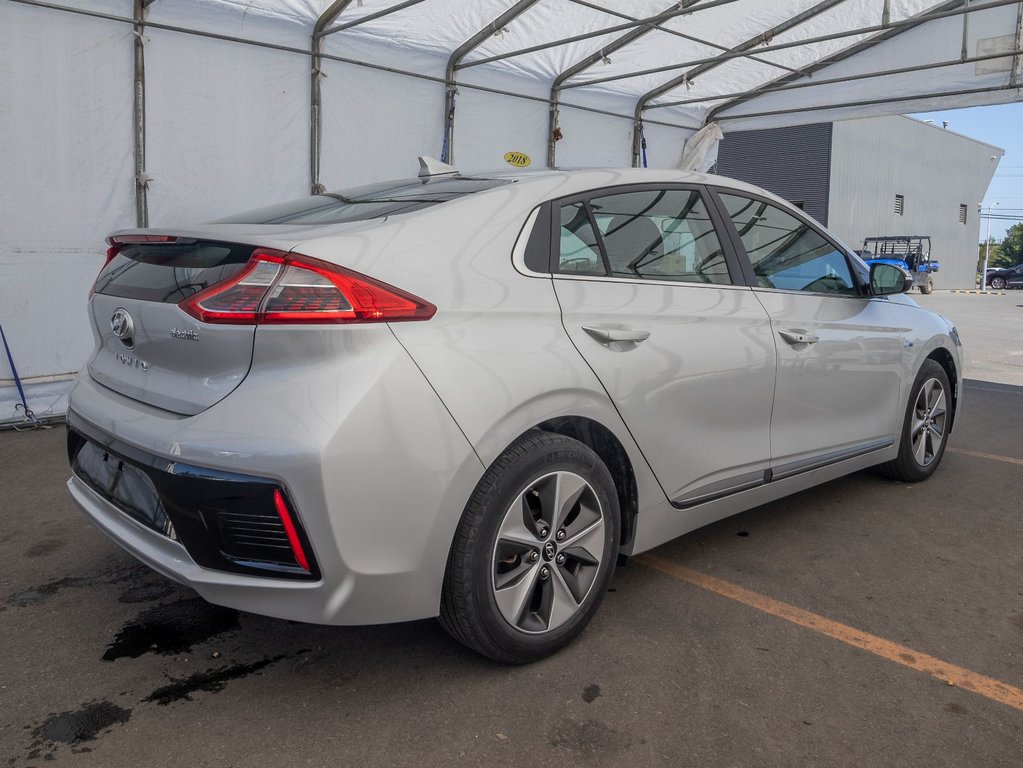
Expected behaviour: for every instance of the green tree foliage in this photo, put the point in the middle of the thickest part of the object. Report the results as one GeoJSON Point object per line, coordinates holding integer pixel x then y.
{"type": "Point", "coordinates": [1012, 245]}
{"type": "Point", "coordinates": [996, 260]}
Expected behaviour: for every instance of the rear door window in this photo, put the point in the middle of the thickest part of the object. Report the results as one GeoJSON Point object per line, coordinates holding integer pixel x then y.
{"type": "Point", "coordinates": [578, 249]}
{"type": "Point", "coordinates": [657, 234]}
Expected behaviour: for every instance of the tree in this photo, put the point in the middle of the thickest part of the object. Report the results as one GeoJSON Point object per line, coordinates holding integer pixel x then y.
{"type": "Point", "coordinates": [1012, 245]}
{"type": "Point", "coordinates": [997, 258]}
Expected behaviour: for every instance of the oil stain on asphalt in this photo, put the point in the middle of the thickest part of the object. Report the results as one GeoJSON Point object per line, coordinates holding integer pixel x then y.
{"type": "Point", "coordinates": [72, 728]}
{"type": "Point", "coordinates": [170, 629]}
{"type": "Point", "coordinates": [212, 680]}
{"type": "Point", "coordinates": [33, 595]}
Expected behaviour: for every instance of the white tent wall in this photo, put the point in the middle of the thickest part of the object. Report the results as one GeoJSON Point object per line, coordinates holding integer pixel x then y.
{"type": "Point", "coordinates": [487, 125]}
{"type": "Point", "coordinates": [227, 127]}
{"type": "Point", "coordinates": [592, 140]}
{"type": "Point", "coordinates": [65, 178]}
{"type": "Point", "coordinates": [375, 124]}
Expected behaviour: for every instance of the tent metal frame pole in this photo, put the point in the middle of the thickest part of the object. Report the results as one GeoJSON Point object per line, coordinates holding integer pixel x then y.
{"type": "Point", "coordinates": [769, 48]}
{"type": "Point", "coordinates": [582, 66]}
{"type": "Point", "coordinates": [846, 53]}
{"type": "Point", "coordinates": [316, 94]}
{"type": "Point", "coordinates": [320, 33]}
{"type": "Point", "coordinates": [677, 33]}
{"type": "Point", "coordinates": [873, 102]}
{"type": "Point", "coordinates": [139, 113]}
{"type": "Point", "coordinates": [450, 87]}
{"type": "Point", "coordinates": [834, 80]}
{"type": "Point", "coordinates": [965, 52]}
{"type": "Point", "coordinates": [1017, 62]}
{"type": "Point", "coordinates": [740, 49]}
{"type": "Point", "coordinates": [650, 20]}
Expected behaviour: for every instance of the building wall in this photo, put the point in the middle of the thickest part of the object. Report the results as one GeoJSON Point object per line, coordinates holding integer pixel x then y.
{"type": "Point", "coordinates": [936, 171]}
{"type": "Point", "coordinates": [794, 163]}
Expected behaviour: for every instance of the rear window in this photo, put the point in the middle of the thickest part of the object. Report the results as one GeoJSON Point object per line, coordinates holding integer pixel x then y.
{"type": "Point", "coordinates": [388, 198]}
{"type": "Point", "coordinates": [170, 272]}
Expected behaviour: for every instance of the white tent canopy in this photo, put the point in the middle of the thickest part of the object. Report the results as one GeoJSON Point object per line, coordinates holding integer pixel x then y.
{"type": "Point", "coordinates": [118, 112]}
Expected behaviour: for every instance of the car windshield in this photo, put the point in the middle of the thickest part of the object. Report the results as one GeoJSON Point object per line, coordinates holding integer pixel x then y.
{"type": "Point", "coordinates": [389, 198]}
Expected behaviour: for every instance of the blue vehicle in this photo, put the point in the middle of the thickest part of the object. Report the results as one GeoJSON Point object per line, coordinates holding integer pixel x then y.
{"type": "Point", "coordinates": [911, 252]}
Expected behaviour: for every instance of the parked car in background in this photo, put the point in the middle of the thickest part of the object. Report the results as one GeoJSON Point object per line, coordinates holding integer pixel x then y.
{"type": "Point", "coordinates": [464, 396]}
{"type": "Point", "coordinates": [1009, 277]}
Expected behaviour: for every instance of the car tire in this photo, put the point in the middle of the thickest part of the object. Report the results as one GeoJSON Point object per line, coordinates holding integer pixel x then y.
{"type": "Point", "coordinates": [927, 287]}
{"type": "Point", "coordinates": [924, 427]}
{"type": "Point", "coordinates": [534, 551]}
{"type": "Point", "coordinates": [998, 283]}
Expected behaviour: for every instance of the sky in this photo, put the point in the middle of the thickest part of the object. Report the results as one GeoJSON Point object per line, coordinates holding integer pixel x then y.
{"type": "Point", "coordinates": [1001, 125]}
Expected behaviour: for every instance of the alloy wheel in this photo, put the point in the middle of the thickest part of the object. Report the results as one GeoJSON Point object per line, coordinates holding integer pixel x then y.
{"type": "Point", "coordinates": [928, 423]}
{"type": "Point", "coordinates": [548, 552]}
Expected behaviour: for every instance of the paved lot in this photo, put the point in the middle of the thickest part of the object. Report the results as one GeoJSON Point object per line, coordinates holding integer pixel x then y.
{"type": "Point", "coordinates": [107, 664]}
{"type": "Point", "coordinates": [992, 331]}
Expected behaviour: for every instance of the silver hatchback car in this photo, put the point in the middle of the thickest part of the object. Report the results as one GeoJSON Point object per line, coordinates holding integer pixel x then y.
{"type": "Point", "coordinates": [465, 396]}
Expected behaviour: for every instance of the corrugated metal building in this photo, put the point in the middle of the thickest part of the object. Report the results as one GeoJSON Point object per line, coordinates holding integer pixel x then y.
{"type": "Point", "coordinates": [876, 176]}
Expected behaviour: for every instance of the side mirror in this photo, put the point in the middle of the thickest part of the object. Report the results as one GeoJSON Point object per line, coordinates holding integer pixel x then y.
{"type": "Point", "coordinates": [887, 278]}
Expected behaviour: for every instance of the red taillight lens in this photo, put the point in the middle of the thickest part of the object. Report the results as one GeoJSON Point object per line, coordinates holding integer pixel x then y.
{"type": "Point", "coordinates": [237, 300]}
{"type": "Point", "coordinates": [278, 288]}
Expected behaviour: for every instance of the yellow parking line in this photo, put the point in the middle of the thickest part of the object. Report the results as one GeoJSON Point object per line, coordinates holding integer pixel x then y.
{"type": "Point", "coordinates": [982, 455]}
{"type": "Point", "coordinates": [949, 674]}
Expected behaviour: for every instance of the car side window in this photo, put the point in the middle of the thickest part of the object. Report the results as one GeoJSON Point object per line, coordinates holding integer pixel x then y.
{"type": "Point", "coordinates": [578, 250]}
{"type": "Point", "coordinates": [662, 234]}
{"type": "Point", "coordinates": [788, 253]}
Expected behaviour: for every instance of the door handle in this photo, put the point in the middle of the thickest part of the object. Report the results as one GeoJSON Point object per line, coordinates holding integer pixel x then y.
{"type": "Point", "coordinates": [611, 335]}
{"type": "Point", "coordinates": [799, 337]}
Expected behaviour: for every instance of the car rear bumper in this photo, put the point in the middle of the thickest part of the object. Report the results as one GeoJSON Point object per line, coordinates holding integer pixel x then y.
{"type": "Point", "coordinates": [372, 464]}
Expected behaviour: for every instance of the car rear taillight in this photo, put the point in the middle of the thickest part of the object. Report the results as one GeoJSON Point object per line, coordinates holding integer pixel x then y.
{"type": "Point", "coordinates": [280, 288]}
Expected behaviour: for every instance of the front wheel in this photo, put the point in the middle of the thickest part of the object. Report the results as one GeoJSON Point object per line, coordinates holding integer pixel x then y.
{"type": "Point", "coordinates": [998, 283]}
{"type": "Point", "coordinates": [927, 286]}
{"type": "Point", "coordinates": [925, 426]}
{"type": "Point", "coordinates": [534, 552]}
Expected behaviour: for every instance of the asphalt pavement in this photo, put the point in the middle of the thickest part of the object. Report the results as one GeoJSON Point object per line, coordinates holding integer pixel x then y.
{"type": "Point", "coordinates": [865, 622]}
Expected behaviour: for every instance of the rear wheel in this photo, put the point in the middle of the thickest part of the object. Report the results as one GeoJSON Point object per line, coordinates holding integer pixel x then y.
{"type": "Point", "coordinates": [925, 427]}
{"type": "Point", "coordinates": [998, 283]}
{"type": "Point", "coordinates": [927, 286]}
{"type": "Point", "coordinates": [534, 551]}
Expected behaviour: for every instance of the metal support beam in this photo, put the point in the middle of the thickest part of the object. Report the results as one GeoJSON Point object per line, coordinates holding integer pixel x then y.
{"type": "Point", "coordinates": [852, 50]}
{"type": "Point", "coordinates": [834, 80]}
{"type": "Point", "coordinates": [678, 33]}
{"type": "Point", "coordinates": [651, 20]}
{"type": "Point", "coordinates": [368, 17]}
{"type": "Point", "coordinates": [1017, 62]}
{"type": "Point", "coordinates": [965, 52]}
{"type": "Point", "coordinates": [740, 49]}
{"type": "Point", "coordinates": [894, 26]}
{"type": "Point", "coordinates": [582, 66]}
{"type": "Point", "coordinates": [873, 102]}
{"type": "Point", "coordinates": [447, 154]}
{"type": "Point", "coordinates": [315, 94]}
{"type": "Point", "coordinates": [139, 114]}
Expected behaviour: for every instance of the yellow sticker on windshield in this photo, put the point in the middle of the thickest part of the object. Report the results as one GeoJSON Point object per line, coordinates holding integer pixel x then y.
{"type": "Point", "coordinates": [518, 159]}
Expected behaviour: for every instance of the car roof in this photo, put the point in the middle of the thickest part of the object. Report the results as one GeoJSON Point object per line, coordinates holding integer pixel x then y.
{"type": "Point", "coordinates": [577, 180]}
